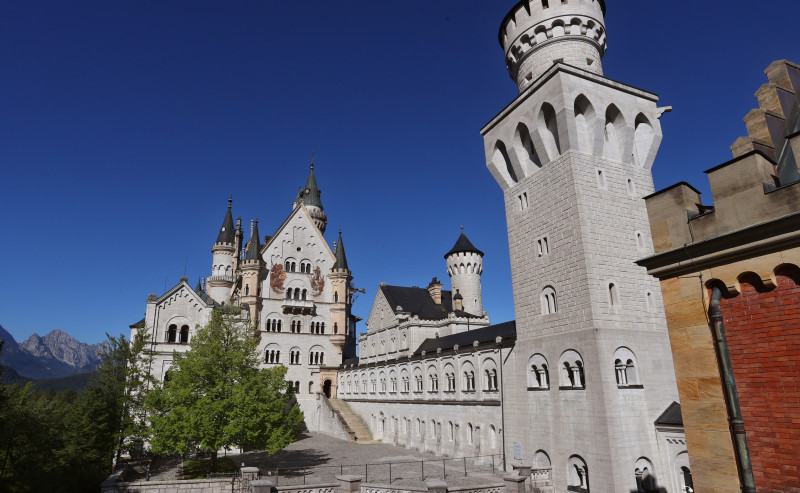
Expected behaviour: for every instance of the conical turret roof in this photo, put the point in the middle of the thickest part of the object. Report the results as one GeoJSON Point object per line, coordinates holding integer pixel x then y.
{"type": "Point", "coordinates": [311, 194]}
{"type": "Point", "coordinates": [341, 258]}
{"type": "Point", "coordinates": [227, 234]}
{"type": "Point", "coordinates": [254, 245]}
{"type": "Point", "coordinates": [463, 245]}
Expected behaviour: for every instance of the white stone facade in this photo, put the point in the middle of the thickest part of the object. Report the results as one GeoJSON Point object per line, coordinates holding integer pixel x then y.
{"type": "Point", "coordinates": [297, 296]}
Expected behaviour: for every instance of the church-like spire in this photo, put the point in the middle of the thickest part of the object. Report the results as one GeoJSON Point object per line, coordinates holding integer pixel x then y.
{"type": "Point", "coordinates": [341, 258]}
{"type": "Point", "coordinates": [254, 245]}
{"type": "Point", "coordinates": [227, 233]}
{"type": "Point", "coordinates": [311, 194]}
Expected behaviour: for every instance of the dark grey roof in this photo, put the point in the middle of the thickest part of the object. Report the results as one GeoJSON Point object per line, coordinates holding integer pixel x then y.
{"type": "Point", "coordinates": [311, 195]}
{"type": "Point", "coordinates": [254, 245]}
{"type": "Point", "coordinates": [463, 245]}
{"type": "Point", "coordinates": [671, 417]}
{"type": "Point", "coordinates": [350, 361]}
{"type": "Point", "coordinates": [204, 296]}
{"type": "Point", "coordinates": [418, 301]}
{"type": "Point", "coordinates": [137, 325]}
{"type": "Point", "coordinates": [341, 258]}
{"type": "Point", "coordinates": [227, 233]}
{"type": "Point", "coordinates": [507, 330]}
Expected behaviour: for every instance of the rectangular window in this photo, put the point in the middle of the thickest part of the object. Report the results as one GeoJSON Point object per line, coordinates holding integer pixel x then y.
{"type": "Point", "coordinates": [602, 184]}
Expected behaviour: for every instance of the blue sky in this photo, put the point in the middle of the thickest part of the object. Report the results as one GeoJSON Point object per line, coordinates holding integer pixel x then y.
{"type": "Point", "coordinates": [124, 126]}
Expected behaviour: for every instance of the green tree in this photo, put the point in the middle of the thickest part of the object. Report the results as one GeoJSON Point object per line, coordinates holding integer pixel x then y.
{"type": "Point", "coordinates": [216, 396]}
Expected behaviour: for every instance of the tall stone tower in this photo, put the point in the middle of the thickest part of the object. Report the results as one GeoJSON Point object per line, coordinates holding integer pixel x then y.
{"type": "Point", "coordinates": [340, 277]}
{"type": "Point", "coordinates": [465, 266]}
{"type": "Point", "coordinates": [592, 369]}
{"type": "Point", "coordinates": [225, 254]}
{"type": "Point", "coordinates": [311, 196]}
{"type": "Point", "coordinates": [252, 269]}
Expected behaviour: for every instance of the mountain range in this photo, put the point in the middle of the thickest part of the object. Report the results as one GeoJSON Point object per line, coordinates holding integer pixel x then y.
{"type": "Point", "coordinates": [55, 355]}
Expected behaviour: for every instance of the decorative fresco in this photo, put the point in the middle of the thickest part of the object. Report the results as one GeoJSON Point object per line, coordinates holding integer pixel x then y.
{"type": "Point", "coordinates": [317, 281]}
{"type": "Point", "coordinates": [276, 278]}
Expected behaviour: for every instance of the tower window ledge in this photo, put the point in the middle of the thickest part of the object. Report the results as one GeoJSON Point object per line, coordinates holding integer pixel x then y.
{"type": "Point", "coordinates": [572, 388]}
{"type": "Point", "coordinates": [221, 278]}
{"type": "Point", "coordinates": [630, 386]}
{"type": "Point", "coordinates": [538, 389]}
{"type": "Point", "coordinates": [298, 306]}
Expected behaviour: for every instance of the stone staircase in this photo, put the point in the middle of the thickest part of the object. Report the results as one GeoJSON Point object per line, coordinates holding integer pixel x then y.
{"type": "Point", "coordinates": [353, 421]}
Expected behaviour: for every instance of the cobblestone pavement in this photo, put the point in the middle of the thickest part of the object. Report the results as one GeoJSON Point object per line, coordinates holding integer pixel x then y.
{"type": "Point", "coordinates": [318, 458]}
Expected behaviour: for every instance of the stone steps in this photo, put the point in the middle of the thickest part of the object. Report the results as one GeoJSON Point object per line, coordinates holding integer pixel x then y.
{"type": "Point", "coordinates": [354, 422]}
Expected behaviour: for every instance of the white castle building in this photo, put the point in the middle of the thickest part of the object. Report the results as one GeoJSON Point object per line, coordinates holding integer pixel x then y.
{"type": "Point", "coordinates": [579, 391]}
{"type": "Point", "coordinates": [296, 290]}
{"type": "Point", "coordinates": [580, 388]}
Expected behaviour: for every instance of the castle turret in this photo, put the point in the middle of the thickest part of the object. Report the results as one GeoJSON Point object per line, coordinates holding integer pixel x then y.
{"type": "Point", "coordinates": [310, 196]}
{"type": "Point", "coordinates": [539, 33]}
{"type": "Point", "coordinates": [465, 266]}
{"type": "Point", "coordinates": [252, 267]}
{"type": "Point", "coordinates": [224, 254]}
{"type": "Point", "coordinates": [340, 277]}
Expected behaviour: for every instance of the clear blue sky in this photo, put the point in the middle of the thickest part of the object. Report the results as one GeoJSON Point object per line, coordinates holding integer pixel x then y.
{"type": "Point", "coordinates": [124, 125]}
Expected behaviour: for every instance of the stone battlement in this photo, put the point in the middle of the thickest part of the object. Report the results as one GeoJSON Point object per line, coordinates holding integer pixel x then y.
{"type": "Point", "coordinates": [538, 33]}
{"type": "Point", "coordinates": [760, 184]}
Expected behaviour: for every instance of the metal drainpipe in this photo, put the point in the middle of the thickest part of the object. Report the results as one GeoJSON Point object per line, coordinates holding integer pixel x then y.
{"type": "Point", "coordinates": [731, 395]}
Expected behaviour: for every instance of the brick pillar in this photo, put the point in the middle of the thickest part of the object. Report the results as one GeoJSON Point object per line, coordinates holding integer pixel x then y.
{"type": "Point", "coordinates": [349, 484]}
{"type": "Point", "coordinates": [515, 483]}
{"type": "Point", "coordinates": [250, 473]}
{"type": "Point", "coordinates": [262, 486]}
{"type": "Point", "coordinates": [436, 486]}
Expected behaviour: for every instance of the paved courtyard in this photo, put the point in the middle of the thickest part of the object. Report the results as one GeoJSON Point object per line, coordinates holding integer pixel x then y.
{"type": "Point", "coordinates": [318, 458]}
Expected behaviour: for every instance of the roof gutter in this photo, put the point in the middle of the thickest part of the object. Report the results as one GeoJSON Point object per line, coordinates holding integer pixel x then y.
{"type": "Point", "coordinates": [736, 423]}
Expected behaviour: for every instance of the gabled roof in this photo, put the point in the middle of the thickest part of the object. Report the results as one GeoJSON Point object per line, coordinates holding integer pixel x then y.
{"type": "Point", "coordinates": [507, 331]}
{"type": "Point", "coordinates": [341, 258]}
{"type": "Point", "coordinates": [227, 234]}
{"type": "Point", "coordinates": [671, 417]}
{"type": "Point", "coordinates": [204, 298]}
{"type": "Point", "coordinates": [418, 301]}
{"type": "Point", "coordinates": [297, 209]}
{"type": "Point", "coordinates": [463, 245]}
{"type": "Point", "coordinates": [137, 325]}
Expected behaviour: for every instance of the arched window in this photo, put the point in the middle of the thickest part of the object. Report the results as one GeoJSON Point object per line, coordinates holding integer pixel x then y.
{"type": "Point", "coordinates": [645, 476]}
{"type": "Point", "coordinates": [451, 431]}
{"type": "Point", "coordinates": [548, 300]}
{"type": "Point", "coordinates": [184, 334]}
{"type": "Point", "coordinates": [489, 375]}
{"type": "Point", "coordinates": [687, 484]}
{"type": "Point", "coordinates": [272, 355]}
{"type": "Point", "coordinates": [571, 375]}
{"type": "Point", "coordinates": [172, 333]}
{"type": "Point", "coordinates": [335, 327]}
{"type": "Point", "coordinates": [538, 373]}
{"type": "Point", "coordinates": [548, 129]}
{"type": "Point", "coordinates": [578, 475]}
{"type": "Point", "coordinates": [492, 437]}
{"type": "Point", "coordinates": [613, 294]}
{"type": "Point", "coordinates": [650, 301]}
{"type": "Point", "coordinates": [625, 368]}
{"type": "Point", "coordinates": [336, 297]}
{"type": "Point", "coordinates": [450, 378]}
{"type": "Point", "coordinates": [470, 433]}
{"type": "Point", "coordinates": [433, 380]}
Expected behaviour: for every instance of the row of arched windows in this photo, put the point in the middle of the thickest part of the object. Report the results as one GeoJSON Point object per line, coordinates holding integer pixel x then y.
{"type": "Point", "coordinates": [296, 294]}
{"type": "Point", "coordinates": [272, 355]}
{"type": "Point", "coordinates": [174, 336]}
{"type": "Point", "coordinates": [431, 428]}
{"type": "Point", "coordinates": [317, 327]}
{"type": "Point", "coordinates": [489, 381]}
{"type": "Point", "coordinates": [571, 372]}
{"type": "Point", "coordinates": [290, 265]}
{"type": "Point", "coordinates": [316, 358]}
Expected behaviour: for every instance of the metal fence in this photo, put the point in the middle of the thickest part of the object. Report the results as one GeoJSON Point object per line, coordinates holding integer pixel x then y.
{"type": "Point", "coordinates": [387, 472]}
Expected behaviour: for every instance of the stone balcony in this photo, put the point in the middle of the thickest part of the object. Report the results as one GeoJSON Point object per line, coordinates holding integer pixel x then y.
{"type": "Point", "coordinates": [299, 307]}
{"type": "Point", "coordinates": [220, 278]}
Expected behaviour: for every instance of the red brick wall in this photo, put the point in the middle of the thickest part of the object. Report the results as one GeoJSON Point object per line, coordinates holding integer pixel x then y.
{"type": "Point", "coordinates": [763, 331]}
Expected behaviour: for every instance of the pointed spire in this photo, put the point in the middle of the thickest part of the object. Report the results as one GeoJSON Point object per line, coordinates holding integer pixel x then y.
{"type": "Point", "coordinates": [463, 245]}
{"type": "Point", "coordinates": [311, 194]}
{"type": "Point", "coordinates": [199, 288]}
{"type": "Point", "coordinates": [341, 258]}
{"type": "Point", "coordinates": [227, 234]}
{"type": "Point", "coordinates": [254, 245]}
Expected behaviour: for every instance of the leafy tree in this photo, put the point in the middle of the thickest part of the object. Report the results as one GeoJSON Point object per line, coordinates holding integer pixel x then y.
{"type": "Point", "coordinates": [217, 397]}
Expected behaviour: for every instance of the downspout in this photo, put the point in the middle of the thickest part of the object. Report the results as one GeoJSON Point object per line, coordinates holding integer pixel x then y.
{"type": "Point", "coordinates": [731, 395]}
{"type": "Point", "coordinates": [502, 406]}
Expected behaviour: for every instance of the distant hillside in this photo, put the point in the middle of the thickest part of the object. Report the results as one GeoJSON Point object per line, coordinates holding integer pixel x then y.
{"type": "Point", "coordinates": [75, 382]}
{"type": "Point", "coordinates": [55, 355]}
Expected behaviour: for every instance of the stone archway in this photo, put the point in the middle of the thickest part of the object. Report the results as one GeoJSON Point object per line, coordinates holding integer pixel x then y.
{"type": "Point", "coordinates": [326, 388]}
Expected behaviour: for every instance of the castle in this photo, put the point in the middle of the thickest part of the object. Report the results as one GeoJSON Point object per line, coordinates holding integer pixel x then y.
{"type": "Point", "coordinates": [296, 290]}
{"type": "Point", "coordinates": [579, 391]}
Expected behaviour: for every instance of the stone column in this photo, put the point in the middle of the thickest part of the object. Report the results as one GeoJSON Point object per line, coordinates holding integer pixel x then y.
{"type": "Point", "coordinates": [262, 486]}
{"type": "Point", "coordinates": [349, 484]}
{"type": "Point", "coordinates": [250, 473]}
{"type": "Point", "coordinates": [514, 483]}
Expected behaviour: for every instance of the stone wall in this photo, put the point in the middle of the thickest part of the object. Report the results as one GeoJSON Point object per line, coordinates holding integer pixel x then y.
{"type": "Point", "coordinates": [330, 422]}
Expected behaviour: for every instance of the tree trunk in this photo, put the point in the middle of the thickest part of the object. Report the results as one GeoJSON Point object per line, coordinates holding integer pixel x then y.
{"type": "Point", "coordinates": [213, 461]}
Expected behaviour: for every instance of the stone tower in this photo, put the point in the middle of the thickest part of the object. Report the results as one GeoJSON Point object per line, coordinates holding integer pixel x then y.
{"type": "Point", "coordinates": [225, 258]}
{"type": "Point", "coordinates": [465, 266]}
{"type": "Point", "coordinates": [340, 277]}
{"type": "Point", "coordinates": [592, 369]}
{"type": "Point", "coordinates": [252, 268]}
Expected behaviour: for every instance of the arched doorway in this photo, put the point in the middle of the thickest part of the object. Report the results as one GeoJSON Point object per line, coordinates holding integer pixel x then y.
{"type": "Point", "coordinates": [326, 388]}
